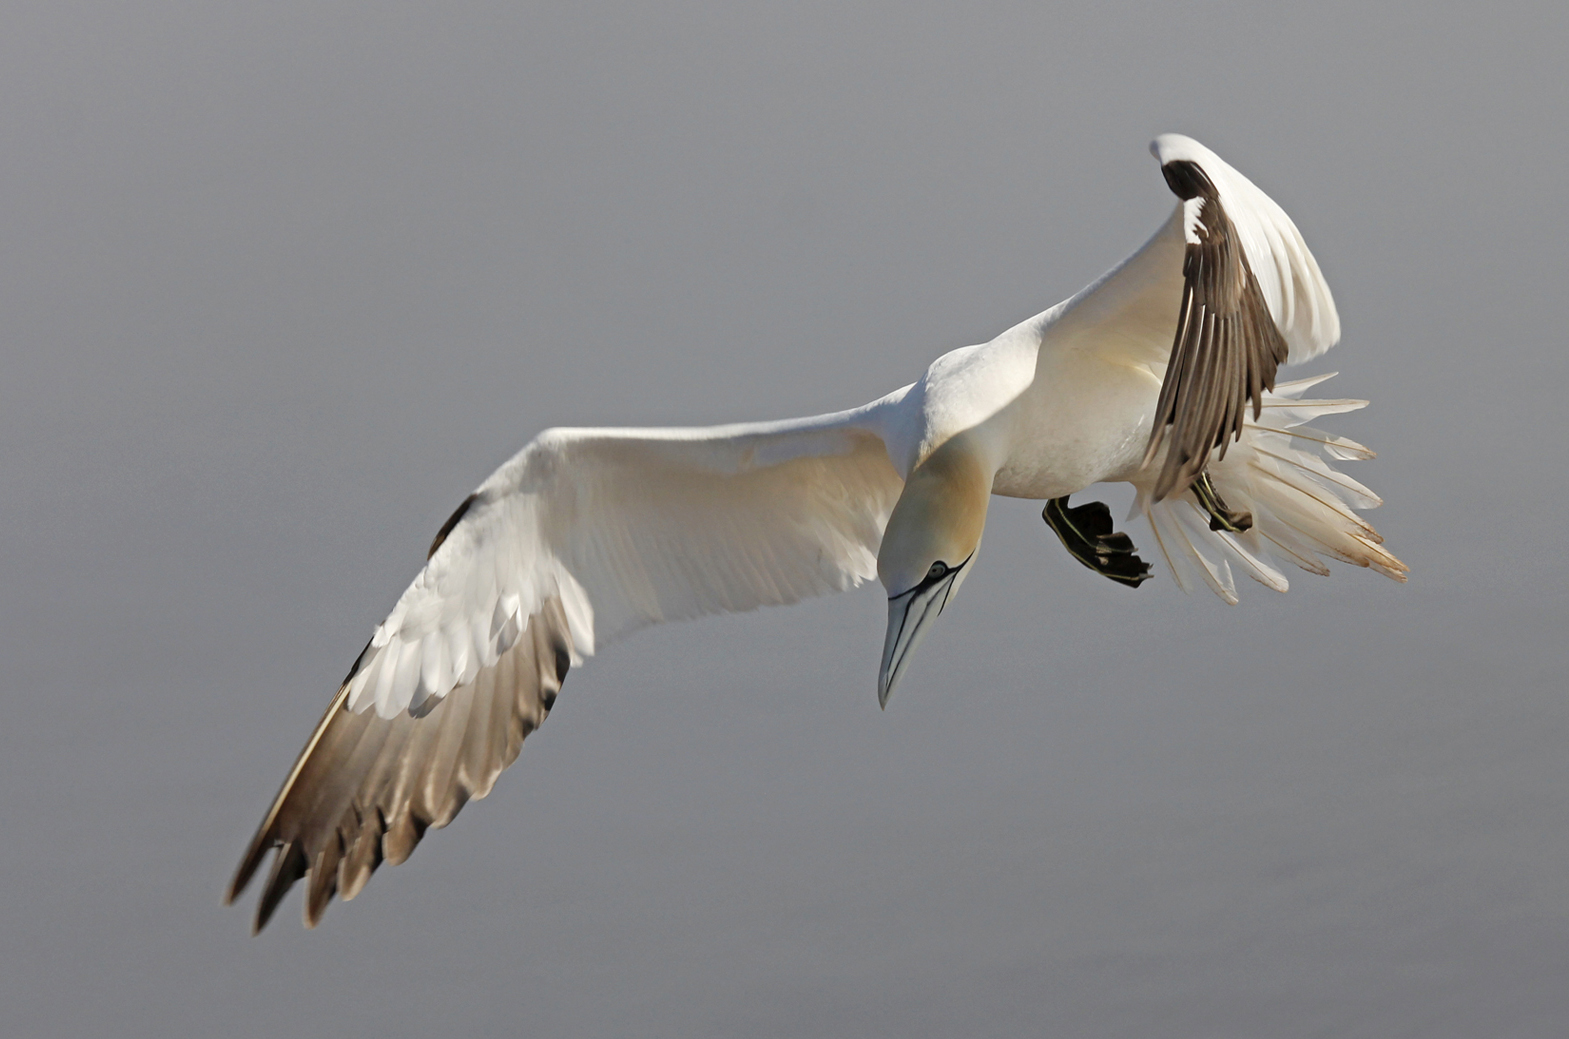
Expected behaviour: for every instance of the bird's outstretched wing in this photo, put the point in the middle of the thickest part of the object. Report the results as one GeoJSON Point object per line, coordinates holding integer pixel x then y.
{"type": "Point", "coordinates": [1224, 294]}
{"type": "Point", "coordinates": [584, 536]}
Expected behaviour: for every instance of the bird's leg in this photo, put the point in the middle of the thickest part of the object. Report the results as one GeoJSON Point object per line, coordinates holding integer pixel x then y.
{"type": "Point", "coordinates": [1220, 517]}
{"type": "Point", "coordinates": [1087, 534]}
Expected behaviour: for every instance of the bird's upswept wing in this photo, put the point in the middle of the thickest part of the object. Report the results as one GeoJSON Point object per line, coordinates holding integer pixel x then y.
{"type": "Point", "coordinates": [582, 537]}
{"type": "Point", "coordinates": [1217, 300]}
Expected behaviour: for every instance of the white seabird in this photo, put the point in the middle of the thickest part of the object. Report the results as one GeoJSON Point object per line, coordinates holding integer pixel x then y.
{"type": "Point", "coordinates": [1160, 374]}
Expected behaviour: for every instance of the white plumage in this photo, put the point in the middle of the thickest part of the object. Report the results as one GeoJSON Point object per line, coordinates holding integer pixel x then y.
{"type": "Point", "coordinates": [630, 527]}
{"type": "Point", "coordinates": [1160, 374]}
{"type": "Point", "coordinates": [1295, 289]}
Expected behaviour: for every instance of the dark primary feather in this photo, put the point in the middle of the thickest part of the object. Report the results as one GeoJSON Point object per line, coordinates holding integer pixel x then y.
{"type": "Point", "coordinates": [1226, 349]}
{"type": "Point", "coordinates": [649, 522]}
{"type": "Point", "coordinates": [366, 788]}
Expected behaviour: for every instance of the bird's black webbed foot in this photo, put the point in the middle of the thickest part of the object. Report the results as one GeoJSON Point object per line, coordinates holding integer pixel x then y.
{"type": "Point", "coordinates": [1220, 517]}
{"type": "Point", "coordinates": [1086, 532]}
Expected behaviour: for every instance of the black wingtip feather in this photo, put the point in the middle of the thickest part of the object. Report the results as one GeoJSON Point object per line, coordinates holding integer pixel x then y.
{"type": "Point", "coordinates": [1187, 179]}
{"type": "Point", "coordinates": [259, 846]}
{"type": "Point", "coordinates": [288, 867]}
{"type": "Point", "coordinates": [1225, 350]}
{"type": "Point", "coordinates": [383, 822]}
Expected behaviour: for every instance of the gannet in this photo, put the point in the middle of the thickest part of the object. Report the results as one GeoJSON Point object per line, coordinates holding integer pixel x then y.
{"type": "Point", "coordinates": [1160, 374]}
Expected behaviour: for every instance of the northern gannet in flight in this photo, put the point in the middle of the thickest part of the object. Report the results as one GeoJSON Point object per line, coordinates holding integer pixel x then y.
{"type": "Point", "coordinates": [1160, 374]}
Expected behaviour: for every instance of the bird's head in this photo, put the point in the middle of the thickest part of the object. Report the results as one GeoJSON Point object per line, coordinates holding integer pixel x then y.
{"type": "Point", "coordinates": [928, 547]}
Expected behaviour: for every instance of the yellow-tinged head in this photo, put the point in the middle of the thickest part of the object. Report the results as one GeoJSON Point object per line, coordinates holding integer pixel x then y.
{"type": "Point", "coordinates": [931, 539]}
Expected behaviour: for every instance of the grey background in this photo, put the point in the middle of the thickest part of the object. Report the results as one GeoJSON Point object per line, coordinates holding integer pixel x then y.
{"type": "Point", "coordinates": [281, 282]}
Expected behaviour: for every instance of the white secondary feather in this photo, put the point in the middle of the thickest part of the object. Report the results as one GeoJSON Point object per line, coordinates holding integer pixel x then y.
{"type": "Point", "coordinates": [630, 527]}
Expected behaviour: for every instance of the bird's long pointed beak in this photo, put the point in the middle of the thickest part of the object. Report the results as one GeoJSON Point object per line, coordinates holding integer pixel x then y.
{"type": "Point", "coordinates": [910, 616]}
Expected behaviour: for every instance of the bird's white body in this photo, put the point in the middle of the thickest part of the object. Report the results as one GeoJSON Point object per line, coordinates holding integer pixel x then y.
{"type": "Point", "coordinates": [588, 534]}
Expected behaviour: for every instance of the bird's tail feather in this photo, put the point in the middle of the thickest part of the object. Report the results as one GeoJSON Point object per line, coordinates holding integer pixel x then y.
{"type": "Point", "coordinates": [1300, 507]}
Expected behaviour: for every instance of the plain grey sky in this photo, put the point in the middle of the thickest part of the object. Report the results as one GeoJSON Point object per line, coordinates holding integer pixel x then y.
{"type": "Point", "coordinates": [282, 282]}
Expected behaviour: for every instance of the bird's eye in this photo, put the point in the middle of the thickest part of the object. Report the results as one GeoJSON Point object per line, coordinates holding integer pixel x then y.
{"type": "Point", "coordinates": [938, 569]}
